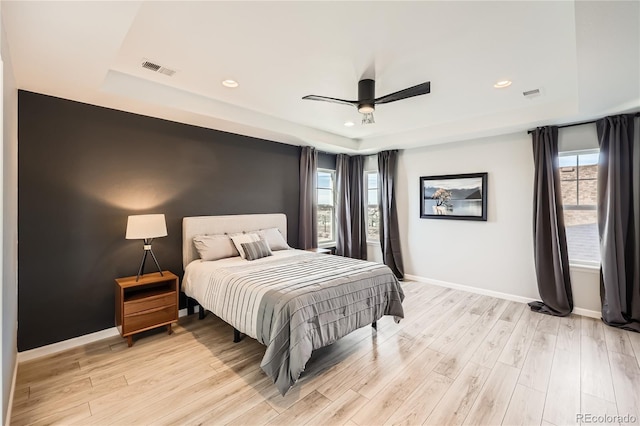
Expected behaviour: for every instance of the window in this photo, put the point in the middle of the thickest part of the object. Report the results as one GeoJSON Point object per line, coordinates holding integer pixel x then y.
{"type": "Point", "coordinates": [578, 175]}
{"type": "Point", "coordinates": [326, 207]}
{"type": "Point", "coordinates": [373, 212]}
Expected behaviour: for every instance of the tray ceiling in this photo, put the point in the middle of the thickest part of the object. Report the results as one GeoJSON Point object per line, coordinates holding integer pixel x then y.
{"type": "Point", "coordinates": [583, 56]}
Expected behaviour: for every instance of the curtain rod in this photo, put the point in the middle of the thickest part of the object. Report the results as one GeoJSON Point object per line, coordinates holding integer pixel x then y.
{"type": "Point", "coordinates": [562, 126]}
{"type": "Point", "coordinates": [336, 153]}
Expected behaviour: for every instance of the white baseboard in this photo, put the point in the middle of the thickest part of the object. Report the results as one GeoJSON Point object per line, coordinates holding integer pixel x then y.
{"type": "Point", "coordinates": [471, 289]}
{"type": "Point", "coordinates": [492, 293]}
{"type": "Point", "coordinates": [75, 342]}
{"type": "Point", "coordinates": [66, 344]}
{"type": "Point", "coordinates": [587, 313]}
{"type": "Point", "coordinates": [7, 420]}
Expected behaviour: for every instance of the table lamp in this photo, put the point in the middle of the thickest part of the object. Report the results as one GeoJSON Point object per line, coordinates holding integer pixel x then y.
{"type": "Point", "coordinates": [146, 227]}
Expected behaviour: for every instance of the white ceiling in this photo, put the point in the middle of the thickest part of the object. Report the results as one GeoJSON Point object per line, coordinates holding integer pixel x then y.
{"type": "Point", "coordinates": [584, 56]}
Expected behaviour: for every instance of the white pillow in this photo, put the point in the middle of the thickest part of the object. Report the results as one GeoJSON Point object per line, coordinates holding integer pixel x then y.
{"type": "Point", "coordinates": [274, 238]}
{"type": "Point", "coordinates": [238, 239]}
{"type": "Point", "coordinates": [214, 247]}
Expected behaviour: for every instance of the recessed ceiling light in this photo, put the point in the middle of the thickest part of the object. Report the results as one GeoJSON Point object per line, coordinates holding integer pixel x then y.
{"type": "Point", "coordinates": [349, 123]}
{"type": "Point", "coordinates": [230, 83]}
{"type": "Point", "coordinates": [502, 84]}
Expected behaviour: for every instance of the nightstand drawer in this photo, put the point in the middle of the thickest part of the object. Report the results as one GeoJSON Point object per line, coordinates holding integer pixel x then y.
{"type": "Point", "coordinates": [152, 318]}
{"type": "Point", "coordinates": [149, 302]}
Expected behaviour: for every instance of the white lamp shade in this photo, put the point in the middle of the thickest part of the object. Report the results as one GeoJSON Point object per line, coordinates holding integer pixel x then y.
{"type": "Point", "coordinates": [142, 226]}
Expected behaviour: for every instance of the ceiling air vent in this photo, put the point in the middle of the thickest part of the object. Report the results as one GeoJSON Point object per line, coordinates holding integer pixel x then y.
{"type": "Point", "coordinates": [151, 66]}
{"type": "Point", "coordinates": [532, 93]}
{"type": "Point", "coordinates": [157, 68]}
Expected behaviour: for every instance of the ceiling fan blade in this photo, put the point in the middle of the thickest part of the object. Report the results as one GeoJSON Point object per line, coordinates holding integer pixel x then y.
{"type": "Point", "coordinates": [334, 100]}
{"type": "Point", "coordinates": [420, 89]}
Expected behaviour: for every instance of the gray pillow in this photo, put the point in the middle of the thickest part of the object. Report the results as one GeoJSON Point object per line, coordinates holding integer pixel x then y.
{"type": "Point", "coordinates": [214, 247]}
{"type": "Point", "coordinates": [256, 250]}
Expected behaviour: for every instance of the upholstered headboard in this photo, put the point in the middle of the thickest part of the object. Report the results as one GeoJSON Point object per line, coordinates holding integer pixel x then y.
{"type": "Point", "coordinates": [199, 225]}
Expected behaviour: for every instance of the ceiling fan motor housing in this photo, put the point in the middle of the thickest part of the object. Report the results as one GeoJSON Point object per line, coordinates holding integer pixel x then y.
{"type": "Point", "coordinates": [366, 96]}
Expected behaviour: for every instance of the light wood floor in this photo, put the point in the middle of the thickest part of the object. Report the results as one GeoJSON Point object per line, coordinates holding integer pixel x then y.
{"type": "Point", "coordinates": [457, 358]}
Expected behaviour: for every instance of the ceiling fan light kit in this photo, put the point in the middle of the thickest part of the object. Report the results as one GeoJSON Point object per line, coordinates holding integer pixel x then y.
{"type": "Point", "coordinates": [367, 100]}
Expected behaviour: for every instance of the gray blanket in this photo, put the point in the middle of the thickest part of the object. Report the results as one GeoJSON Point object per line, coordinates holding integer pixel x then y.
{"type": "Point", "coordinates": [302, 303]}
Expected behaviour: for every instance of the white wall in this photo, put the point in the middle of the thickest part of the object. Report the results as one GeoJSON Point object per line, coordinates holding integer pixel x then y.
{"type": "Point", "coordinates": [9, 232]}
{"type": "Point", "coordinates": [578, 138]}
{"type": "Point", "coordinates": [496, 255]}
{"type": "Point", "coordinates": [585, 284]}
{"type": "Point", "coordinates": [374, 252]}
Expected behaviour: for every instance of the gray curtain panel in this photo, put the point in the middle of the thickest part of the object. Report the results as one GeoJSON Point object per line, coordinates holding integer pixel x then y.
{"type": "Point", "coordinates": [358, 209]}
{"type": "Point", "coordinates": [618, 222]}
{"type": "Point", "coordinates": [307, 223]}
{"type": "Point", "coordinates": [389, 232]}
{"type": "Point", "coordinates": [343, 206]}
{"type": "Point", "coordinates": [351, 238]}
{"type": "Point", "coordinates": [549, 236]}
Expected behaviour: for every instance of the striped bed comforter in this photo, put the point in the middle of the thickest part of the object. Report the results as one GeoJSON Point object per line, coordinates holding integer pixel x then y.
{"type": "Point", "coordinates": [294, 302]}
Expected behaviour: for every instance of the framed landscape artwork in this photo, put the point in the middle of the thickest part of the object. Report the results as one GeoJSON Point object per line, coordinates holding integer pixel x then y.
{"type": "Point", "coordinates": [462, 197]}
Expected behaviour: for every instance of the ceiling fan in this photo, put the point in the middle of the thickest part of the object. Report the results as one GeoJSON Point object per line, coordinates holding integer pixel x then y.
{"type": "Point", "coordinates": [367, 100]}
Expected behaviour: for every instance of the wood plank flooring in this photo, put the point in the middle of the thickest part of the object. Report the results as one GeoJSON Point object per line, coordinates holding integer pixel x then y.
{"type": "Point", "coordinates": [457, 358]}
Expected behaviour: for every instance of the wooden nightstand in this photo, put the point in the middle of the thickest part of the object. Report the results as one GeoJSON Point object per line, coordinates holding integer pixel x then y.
{"type": "Point", "coordinates": [150, 302]}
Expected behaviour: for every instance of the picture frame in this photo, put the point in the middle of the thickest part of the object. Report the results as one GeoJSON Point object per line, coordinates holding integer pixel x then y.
{"type": "Point", "coordinates": [460, 197]}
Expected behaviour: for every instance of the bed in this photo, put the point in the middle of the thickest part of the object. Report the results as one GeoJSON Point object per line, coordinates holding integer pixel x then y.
{"type": "Point", "coordinates": [292, 301]}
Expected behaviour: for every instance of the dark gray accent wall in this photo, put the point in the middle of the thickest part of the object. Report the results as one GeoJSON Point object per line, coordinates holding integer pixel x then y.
{"type": "Point", "coordinates": [83, 169]}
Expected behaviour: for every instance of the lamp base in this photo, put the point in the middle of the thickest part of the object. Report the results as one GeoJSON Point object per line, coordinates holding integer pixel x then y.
{"type": "Point", "coordinates": [147, 249]}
